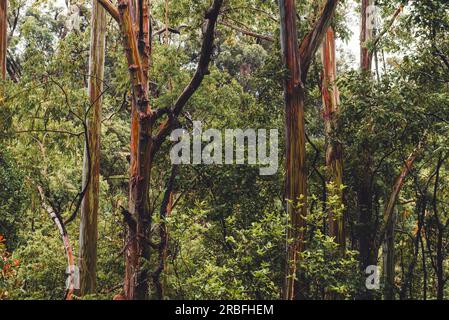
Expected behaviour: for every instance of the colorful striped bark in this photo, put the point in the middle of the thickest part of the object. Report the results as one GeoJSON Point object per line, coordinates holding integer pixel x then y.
{"type": "Point", "coordinates": [296, 176]}
{"type": "Point", "coordinates": [331, 101]}
{"type": "Point", "coordinates": [91, 166]}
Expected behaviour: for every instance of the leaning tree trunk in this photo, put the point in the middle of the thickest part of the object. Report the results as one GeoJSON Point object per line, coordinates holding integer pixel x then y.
{"type": "Point", "coordinates": [91, 164]}
{"type": "Point", "coordinates": [3, 36]}
{"type": "Point", "coordinates": [334, 161]}
{"type": "Point", "coordinates": [71, 280]}
{"type": "Point", "coordinates": [386, 234]}
{"type": "Point", "coordinates": [295, 184]}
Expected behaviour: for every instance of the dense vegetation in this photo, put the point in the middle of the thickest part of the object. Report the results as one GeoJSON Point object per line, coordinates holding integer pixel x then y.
{"type": "Point", "coordinates": [223, 231]}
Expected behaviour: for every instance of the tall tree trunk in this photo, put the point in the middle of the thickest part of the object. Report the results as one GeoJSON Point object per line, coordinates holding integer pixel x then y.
{"type": "Point", "coordinates": [295, 184]}
{"type": "Point", "coordinates": [91, 164]}
{"type": "Point", "coordinates": [134, 16]}
{"type": "Point", "coordinates": [334, 161]}
{"type": "Point", "coordinates": [368, 256]}
{"type": "Point", "coordinates": [389, 261]}
{"type": "Point", "coordinates": [133, 19]}
{"type": "Point", "coordinates": [440, 228]}
{"type": "Point", "coordinates": [3, 36]}
{"type": "Point", "coordinates": [439, 265]}
{"type": "Point", "coordinates": [297, 61]}
{"type": "Point", "coordinates": [366, 35]}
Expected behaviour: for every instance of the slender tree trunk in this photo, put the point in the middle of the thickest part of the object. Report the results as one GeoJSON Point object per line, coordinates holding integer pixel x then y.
{"type": "Point", "coordinates": [165, 211]}
{"type": "Point", "coordinates": [439, 265]}
{"type": "Point", "coordinates": [334, 161]}
{"type": "Point", "coordinates": [366, 34]}
{"type": "Point", "coordinates": [408, 277]}
{"type": "Point", "coordinates": [440, 227]}
{"type": "Point", "coordinates": [389, 261]}
{"type": "Point", "coordinates": [71, 280]}
{"type": "Point", "coordinates": [297, 60]}
{"type": "Point", "coordinates": [3, 36]}
{"type": "Point", "coordinates": [387, 230]}
{"type": "Point", "coordinates": [91, 165]}
{"type": "Point", "coordinates": [295, 189]}
{"type": "Point", "coordinates": [368, 256]}
{"type": "Point", "coordinates": [424, 267]}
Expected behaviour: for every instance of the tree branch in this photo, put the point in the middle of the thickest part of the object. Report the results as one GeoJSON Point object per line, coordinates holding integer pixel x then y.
{"type": "Point", "coordinates": [313, 39]}
{"type": "Point", "coordinates": [387, 28]}
{"type": "Point", "coordinates": [166, 207]}
{"type": "Point", "coordinates": [397, 187]}
{"type": "Point", "coordinates": [247, 32]}
{"type": "Point", "coordinates": [110, 8]}
{"type": "Point", "coordinates": [201, 70]}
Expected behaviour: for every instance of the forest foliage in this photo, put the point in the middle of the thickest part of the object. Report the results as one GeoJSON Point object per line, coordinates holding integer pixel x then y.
{"type": "Point", "coordinates": [227, 228]}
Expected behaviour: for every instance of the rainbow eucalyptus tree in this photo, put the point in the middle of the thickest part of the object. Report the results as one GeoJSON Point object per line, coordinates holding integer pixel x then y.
{"type": "Point", "coordinates": [91, 164]}
{"type": "Point", "coordinates": [297, 60]}
{"type": "Point", "coordinates": [134, 21]}
{"type": "Point", "coordinates": [334, 161]}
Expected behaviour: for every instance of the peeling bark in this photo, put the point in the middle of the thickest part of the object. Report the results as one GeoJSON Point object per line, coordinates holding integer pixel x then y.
{"type": "Point", "coordinates": [110, 8]}
{"type": "Point", "coordinates": [137, 250]}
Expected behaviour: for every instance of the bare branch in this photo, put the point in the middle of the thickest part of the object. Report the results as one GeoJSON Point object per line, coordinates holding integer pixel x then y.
{"type": "Point", "coordinates": [110, 8]}
{"type": "Point", "coordinates": [247, 32]}
{"type": "Point", "coordinates": [201, 70]}
{"type": "Point", "coordinates": [56, 217]}
{"type": "Point", "coordinates": [387, 28]}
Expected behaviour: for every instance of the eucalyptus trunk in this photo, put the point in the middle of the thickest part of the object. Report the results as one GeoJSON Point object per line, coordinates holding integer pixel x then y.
{"type": "Point", "coordinates": [134, 20]}
{"type": "Point", "coordinates": [334, 161]}
{"type": "Point", "coordinates": [366, 35]}
{"type": "Point", "coordinates": [368, 256]}
{"type": "Point", "coordinates": [295, 188]}
{"type": "Point", "coordinates": [133, 15]}
{"type": "Point", "coordinates": [91, 165]}
{"type": "Point", "coordinates": [388, 253]}
{"type": "Point", "coordinates": [386, 234]}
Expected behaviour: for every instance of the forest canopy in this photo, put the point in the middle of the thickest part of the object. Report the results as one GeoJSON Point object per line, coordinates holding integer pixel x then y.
{"type": "Point", "coordinates": [311, 138]}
